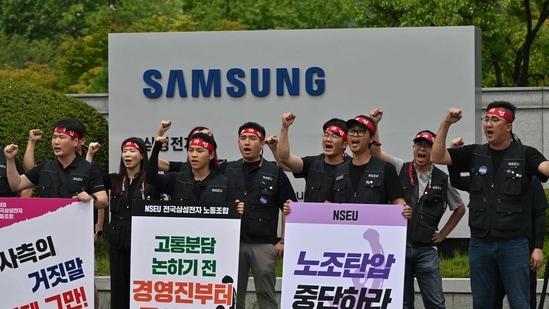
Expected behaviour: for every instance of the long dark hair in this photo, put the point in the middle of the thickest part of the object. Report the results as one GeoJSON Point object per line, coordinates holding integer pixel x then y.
{"type": "Point", "coordinates": [122, 171]}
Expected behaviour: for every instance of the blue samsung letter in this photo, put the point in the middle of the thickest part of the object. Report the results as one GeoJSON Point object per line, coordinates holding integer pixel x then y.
{"type": "Point", "coordinates": [176, 78]}
{"type": "Point", "coordinates": [266, 82]}
{"type": "Point", "coordinates": [155, 89]}
{"type": "Point", "coordinates": [214, 79]}
{"type": "Point", "coordinates": [283, 79]}
{"type": "Point", "coordinates": [310, 81]}
{"type": "Point", "coordinates": [239, 88]}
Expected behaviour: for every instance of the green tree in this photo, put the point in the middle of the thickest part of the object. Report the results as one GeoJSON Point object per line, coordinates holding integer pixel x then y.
{"type": "Point", "coordinates": [509, 29]}
{"type": "Point", "coordinates": [47, 19]}
{"type": "Point", "coordinates": [268, 14]}
{"type": "Point", "coordinates": [27, 107]}
{"type": "Point", "coordinates": [40, 75]}
{"type": "Point", "coordinates": [17, 50]}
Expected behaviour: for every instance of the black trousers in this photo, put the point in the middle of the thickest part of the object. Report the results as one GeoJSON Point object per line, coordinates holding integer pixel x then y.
{"type": "Point", "coordinates": [120, 277]}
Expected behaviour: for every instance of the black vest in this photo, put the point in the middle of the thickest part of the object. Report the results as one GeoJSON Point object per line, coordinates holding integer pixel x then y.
{"type": "Point", "coordinates": [214, 188]}
{"type": "Point", "coordinates": [501, 207]}
{"type": "Point", "coordinates": [75, 182]}
{"type": "Point", "coordinates": [120, 225]}
{"type": "Point", "coordinates": [317, 186]}
{"type": "Point", "coordinates": [427, 212]}
{"type": "Point", "coordinates": [260, 218]}
{"type": "Point", "coordinates": [5, 190]}
{"type": "Point", "coordinates": [371, 189]}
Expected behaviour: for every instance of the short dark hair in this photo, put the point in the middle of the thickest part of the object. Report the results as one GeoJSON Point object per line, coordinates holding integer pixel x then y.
{"type": "Point", "coordinates": [335, 122]}
{"type": "Point", "coordinates": [71, 124]}
{"type": "Point", "coordinates": [505, 105]}
{"type": "Point", "coordinates": [253, 125]}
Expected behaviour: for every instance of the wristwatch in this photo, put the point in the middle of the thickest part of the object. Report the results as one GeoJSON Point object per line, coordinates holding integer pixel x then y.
{"type": "Point", "coordinates": [93, 197]}
{"type": "Point", "coordinates": [99, 233]}
{"type": "Point", "coordinates": [281, 241]}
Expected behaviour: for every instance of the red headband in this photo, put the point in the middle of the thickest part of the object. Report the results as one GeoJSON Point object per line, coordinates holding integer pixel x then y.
{"type": "Point", "coordinates": [252, 131]}
{"type": "Point", "coordinates": [197, 141]}
{"type": "Point", "coordinates": [426, 135]}
{"type": "Point", "coordinates": [500, 112]}
{"type": "Point", "coordinates": [132, 145]}
{"type": "Point", "coordinates": [367, 123]}
{"type": "Point", "coordinates": [337, 130]}
{"type": "Point", "coordinates": [66, 132]}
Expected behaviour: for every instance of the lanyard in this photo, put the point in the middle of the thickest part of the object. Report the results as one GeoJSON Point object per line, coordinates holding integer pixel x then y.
{"type": "Point", "coordinates": [413, 183]}
{"type": "Point", "coordinates": [124, 188]}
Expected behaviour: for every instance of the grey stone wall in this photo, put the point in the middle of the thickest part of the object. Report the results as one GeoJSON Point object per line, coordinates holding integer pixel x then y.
{"type": "Point", "coordinates": [457, 292]}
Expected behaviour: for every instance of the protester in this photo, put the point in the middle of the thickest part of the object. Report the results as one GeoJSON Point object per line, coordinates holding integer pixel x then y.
{"type": "Point", "coordinates": [200, 180]}
{"type": "Point", "coordinates": [265, 189]}
{"type": "Point", "coordinates": [125, 186]}
{"type": "Point", "coordinates": [428, 192]}
{"type": "Point", "coordinates": [539, 205]}
{"type": "Point", "coordinates": [318, 170]}
{"type": "Point", "coordinates": [381, 179]}
{"type": "Point", "coordinates": [500, 206]}
{"type": "Point", "coordinates": [54, 177]}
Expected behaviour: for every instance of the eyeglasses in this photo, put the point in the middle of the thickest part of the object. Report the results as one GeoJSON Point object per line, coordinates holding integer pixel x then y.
{"type": "Point", "coordinates": [330, 135]}
{"type": "Point", "coordinates": [423, 145]}
{"type": "Point", "coordinates": [360, 132]}
{"type": "Point", "coordinates": [494, 120]}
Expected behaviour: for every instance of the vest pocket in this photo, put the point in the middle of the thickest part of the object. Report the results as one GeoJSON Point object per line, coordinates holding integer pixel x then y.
{"type": "Point", "coordinates": [259, 224]}
{"type": "Point", "coordinates": [476, 182]}
{"type": "Point", "coordinates": [45, 189]}
{"type": "Point", "coordinates": [115, 204]}
{"type": "Point", "coordinates": [430, 211]}
{"type": "Point", "coordinates": [512, 183]}
{"type": "Point", "coordinates": [312, 192]}
{"type": "Point", "coordinates": [477, 211]}
{"type": "Point", "coordinates": [115, 233]}
{"type": "Point", "coordinates": [509, 216]}
{"type": "Point", "coordinates": [339, 191]}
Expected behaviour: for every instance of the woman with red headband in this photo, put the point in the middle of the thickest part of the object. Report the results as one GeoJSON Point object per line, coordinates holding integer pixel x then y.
{"type": "Point", "coordinates": [200, 181]}
{"type": "Point", "coordinates": [129, 184]}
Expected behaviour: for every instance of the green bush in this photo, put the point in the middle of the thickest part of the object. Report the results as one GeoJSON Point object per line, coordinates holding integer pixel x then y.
{"type": "Point", "coordinates": [24, 107]}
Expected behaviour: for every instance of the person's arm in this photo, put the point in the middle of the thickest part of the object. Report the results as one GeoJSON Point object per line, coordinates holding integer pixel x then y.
{"type": "Point", "coordinates": [539, 205]}
{"type": "Point", "coordinates": [452, 222]}
{"type": "Point", "coordinates": [395, 192]}
{"type": "Point", "coordinates": [28, 159]}
{"type": "Point", "coordinates": [377, 114]}
{"type": "Point", "coordinates": [101, 199]}
{"type": "Point", "coordinates": [536, 257]}
{"type": "Point", "coordinates": [17, 182]}
{"type": "Point", "coordinates": [279, 246]}
{"type": "Point", "coordinates": [152, 167]}
{"type": "Point", "coordinates": [26, 192]}
{"type": "Point", "coordinates": [93, 148]}
{"type": "Point", "coordinates": [98, 227]}
{"type": "Point", "coordinates": [95, 189]}
{"type": "Point", "coordinates": [163, 165]}
{"type": "Point", "coordinates": [439, 153]}
{"type": "Point", "coordinates": [272, 142]}
{"type": "Point", "coordinates": [456, 179]}
{"type": "Point", "coordinates": [543, 168]}
{"type": "Point", "coordinates": [292, 162]}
